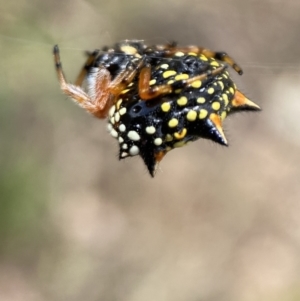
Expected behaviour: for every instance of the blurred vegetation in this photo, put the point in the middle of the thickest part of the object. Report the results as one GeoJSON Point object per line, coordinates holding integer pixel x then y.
{"type": "Point", "coordinates": [215, 224]}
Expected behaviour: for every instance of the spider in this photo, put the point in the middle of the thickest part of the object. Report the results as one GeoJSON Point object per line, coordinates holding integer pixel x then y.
{"type": "Point", "coordinates": [157, 98]}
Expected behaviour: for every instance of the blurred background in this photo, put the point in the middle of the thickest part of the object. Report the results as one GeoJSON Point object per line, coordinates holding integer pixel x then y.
{"type": "Point", "coordinates": [215, 224]}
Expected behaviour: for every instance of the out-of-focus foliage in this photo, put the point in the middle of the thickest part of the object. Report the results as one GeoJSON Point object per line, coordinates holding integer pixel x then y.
{"type": "Point", "coordinates": [215, 224]}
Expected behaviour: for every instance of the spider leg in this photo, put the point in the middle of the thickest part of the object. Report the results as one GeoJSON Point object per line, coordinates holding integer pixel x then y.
{"type": "Point", "coordinates": [86, 67]}
{"type": "Point", "coordinates": [147, 92]}
{"type": "Point", "coordinates": [99, 100]}
{"type": "Point", "coordinates": [125, 77]}
{"type": "Point", "coordinates": [171, 49]}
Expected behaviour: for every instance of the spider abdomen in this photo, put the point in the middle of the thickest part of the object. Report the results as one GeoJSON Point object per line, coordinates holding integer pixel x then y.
{"type": "Point", "coordinates": [152, 128]}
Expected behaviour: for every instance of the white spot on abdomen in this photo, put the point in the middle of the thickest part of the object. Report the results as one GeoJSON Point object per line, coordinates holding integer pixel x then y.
{"type": "Point", "coordinates": [133, 135]}
{"type": "Point", "coordinates": [134, 150]}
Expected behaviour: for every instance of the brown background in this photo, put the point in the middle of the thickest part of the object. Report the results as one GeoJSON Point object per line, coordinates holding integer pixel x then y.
{"type": "Point", "coordinates": [216, 224]}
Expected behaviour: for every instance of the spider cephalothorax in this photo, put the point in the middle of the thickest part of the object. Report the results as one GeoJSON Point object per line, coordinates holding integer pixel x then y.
{"type": "Point", "coordinates": [157, 98]}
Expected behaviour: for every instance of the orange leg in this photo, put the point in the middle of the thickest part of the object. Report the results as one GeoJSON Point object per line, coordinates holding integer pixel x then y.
{"type": "Point", "coordinates": [97, 102]}
{"type": "Point", "coordinates": [147, 92]}
{"type": "Point", "coordinates": [101, 90]}
{"type": "Point", "coordinates": [124, 78]}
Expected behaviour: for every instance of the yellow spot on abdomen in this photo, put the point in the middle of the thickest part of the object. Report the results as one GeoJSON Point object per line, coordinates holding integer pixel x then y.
{"type": "Point", "coordinates": [202, 114]}
{"type": "Point", "coordinates": [196, 84]}
{"type": "Point", "coordinates": [181, 76]}
{"type": "Point", "coordinates": [152, 82]}
{"type": "Point", "coordinates": [191, 115]}
{"type": "Point", "coordinates": [181, 134]}
{"type": "Point", "coordinates": [203, 57]}
{"type": "Point", "coordinates": [216, 105]}
{"type": "Point", "coordinates": [192, 53]}
{"type": "Point", "coordinates": [169, 73]}
{"type": "Point", "coordinates": [165, 107]}
{"type": "Point", "coordinates": [223, 115]}
{"type": "Point", "coordinates": [200, 100]}
{"type": "Point", "coordinates": [173, 122]}
{"type": "Point", "coordinates": [211, 90]}
{"type": "Point", "coordinates": [119, 103]}
{"type": "Point", "coordinates": [182, 101]}
{"type": "Point", "coordinates": [225, 98]}
{"type": "Point", "coordinates": [221, 85]}
{"type": "Point", "coordinates": [215, 64]}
